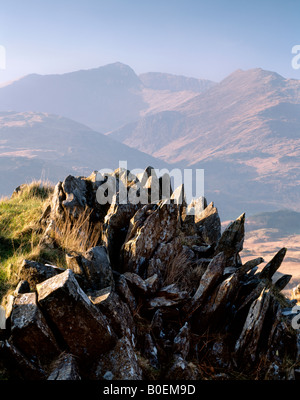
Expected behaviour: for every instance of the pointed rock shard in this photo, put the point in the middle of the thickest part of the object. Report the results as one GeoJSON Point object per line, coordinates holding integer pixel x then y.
{"type": "Point", "coordinates": [75, 192]}
{"type": "Point", "coordinates": [159, 227]}
{"type": "Point", "coordinates": [210, 277]}
{"type": "Point", "coordinates": [168, 296]}
{"type": "Point", "coordinates": [281, 283]}
{"type": "Point", "coordinates": [178, 196]}
{"type": "Point", "coordinates": [248, 341]}
{"type": "Point", "coordinates": [30, 332]}
{"type": "Point", "coordinates": [152, 283]}
{"type": "Point", "coordinates": [272, 266]}
{"type": "Point", "coordinates": [136, 283]}
{"type": "Point", "coordinates": [208, 224]}
{"type": "Point", "coordinates": [157, 325]}
{"type": "Point", "coordinates": [165, 187]}
{"type": "Point", "coordinates": [198, 205]}
{"type": "Point", "coordinates": [232, 239]}
{"type": "Point", "coordinates": [97, 268]}
{"type": "Point", "coordinates": [182, 341]}
{"type": "Point", "coordinates": [209, 280]}
{"type": "Point", "coordinates": [125, 293]}
{"type": "Point", "coordinates": [138, 220]}
{"type": "Point", "coordinates": [249, 265]}
{"type": "Point", "coordinates": [119, 316]}
{"type": "Point", "coordinates": [79, 322]}
{"type": "Point", "coordinates": [150, 351]}
{"type": "Point", "coordinates": [254, 294]}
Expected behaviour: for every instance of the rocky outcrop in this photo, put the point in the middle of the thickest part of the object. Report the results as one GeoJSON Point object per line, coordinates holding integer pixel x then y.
{"type": "Point", "coordinates": [163, 295]}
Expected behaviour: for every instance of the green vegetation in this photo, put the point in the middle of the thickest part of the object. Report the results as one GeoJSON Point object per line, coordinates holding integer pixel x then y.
{"type": "Point", "coordinates": [20, 231]}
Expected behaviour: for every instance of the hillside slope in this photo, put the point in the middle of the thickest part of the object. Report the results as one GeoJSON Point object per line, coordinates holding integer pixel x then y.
{"type": "Point", "coordinates": [245, 133]}
{"type": "Point", "coordinates": [49, 147]}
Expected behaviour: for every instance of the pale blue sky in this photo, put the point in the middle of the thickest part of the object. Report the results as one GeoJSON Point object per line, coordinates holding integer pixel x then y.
{"type": "Point", "coordinates": [205, 39]}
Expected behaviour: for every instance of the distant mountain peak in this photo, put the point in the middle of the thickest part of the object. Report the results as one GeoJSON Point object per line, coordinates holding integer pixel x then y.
{"type": "Point", "coordinates": [254, 74]}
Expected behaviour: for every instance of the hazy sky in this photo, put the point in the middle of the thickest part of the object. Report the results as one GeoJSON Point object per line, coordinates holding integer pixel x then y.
{"type": "Point", "coordinates": [205, 39]}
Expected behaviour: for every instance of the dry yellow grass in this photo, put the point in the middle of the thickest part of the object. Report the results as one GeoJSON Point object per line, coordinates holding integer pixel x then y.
{"type": "Point", "coordinates": [77, 234]}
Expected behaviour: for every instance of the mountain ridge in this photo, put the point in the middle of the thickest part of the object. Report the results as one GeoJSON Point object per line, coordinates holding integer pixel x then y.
{"type": "Point", "coordinates": [103, 98]}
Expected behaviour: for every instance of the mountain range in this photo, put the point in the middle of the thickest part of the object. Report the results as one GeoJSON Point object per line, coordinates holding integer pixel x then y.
{"type": "Point", "coordinates": [243, 131]}
{"type": "Point", "coordinates": [103, 98]}
{"type": "Point", "coordinates": [48, 147]}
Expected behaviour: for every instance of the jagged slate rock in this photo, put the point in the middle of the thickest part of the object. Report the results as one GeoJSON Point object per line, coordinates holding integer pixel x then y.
{"type": "Point", "coordinates": [257, 288]}
{"type": "Point", "coordinates": [250, 265]}
{"type": "Point", "coordinates": [163, 257]}
{"type": "Point", "coordinates": [160, 227]}
{"type": "Point", "coordinates": [22, 287]}
{"type": "Point", "coordinates": [18, 365]}
{"type": "Point", "coordinates": [168, 296]}
{"type": "Point", "coordinates": [229, 271]}
{"type": "Point", "coordinates": [45, 215]}
{"type": "Point", "coordinates": [214, 308]}
{"type": "Point", "coordinates": [165, 187]}
{"type": "Point", "coordinates": [79, 322]}
{"type": "Point", "coordinates": [121, 362]}
{"type": "Point", "coordinates": [115, 228]}
{"type": "Point", "coordinates": [247, 344]}
{"type": "Point", "coordinates": [146, 174]}
{"type": "Point", "coordinates": [282, 342]}
{"type": "Point", "coordinates": [188, 226]}
{"type": "Point", "coordinates": [35, 272]}
{"type": "Point", "coordinates": [181, 344]}
{"type": "Point", "coordinates": [58, 197]}
{"type": "Point", "coordinates": [30, 331]}
{"type": "Point", "coordinates": [119, 316]}
{"type": "Point", "coordinates": [210, 277]}
{"type": "Point", "coordinates": [150, 351]}
{"type": "Point", "coordinates": [178, 196]}
{"type": "Point", "coordinates": [208, 225]}
{"type": "Point", "coordinates": [152, 283]}
{"type": "Point", "coordinates": [172, 292]}
{"type": "Point", "coordinates": [136, 283]}
{"type": "Point", "coordinates": [98, 296]}
{"type": "Point", "coordinates": [97, 268]}
{"type": "Point", "coordinates": [157, 325]}
{"type": "Point", "coordinates": [138, 220]}
{"type": "Point", "coordinates": [125, 293]}
{"type": "Point", "coordinates": [197, 206]}
{"type": "Point", "coordinates": [152, 188]}
{"type": "Point", "coordinates": [73, 261]}
{"type": "Point", "coordinates": [273, 265]}
{"type": "Point", "coordinates": [75, 191]}
{"type": "Point", "coordinates": [65, 368]}
{"type": "Point", "coordinates": [182, 370]}
{"type": "Point", "coordinates": [232, 239]}
{"type": "Point", "coordinates": [281, 283]}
